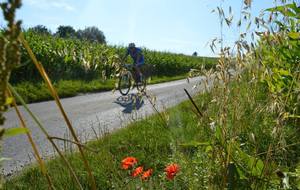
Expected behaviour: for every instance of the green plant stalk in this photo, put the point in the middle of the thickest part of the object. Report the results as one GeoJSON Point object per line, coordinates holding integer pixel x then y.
{"type": "Point", "coordinates": [292, 84]}
{"type": "Point", "coordinates": [162, 118]}
{"type": "Point", "coordinates": [43, 73]}
{"type": "Point", "coordinates": [14, 92]}
{"type": "Point", "coordinates": [33, 145]}
{"type": "Point", "coordinates": [73, 142]}
{"type": "Point", "coordinates": [224, 113]}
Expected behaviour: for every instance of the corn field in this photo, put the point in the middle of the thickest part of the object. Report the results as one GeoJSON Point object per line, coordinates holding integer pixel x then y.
{"type": "Point", "coordinates": [82, 60]}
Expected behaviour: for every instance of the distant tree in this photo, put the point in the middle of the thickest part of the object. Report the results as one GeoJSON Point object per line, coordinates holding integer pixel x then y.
{"type": "Point", "coordinates": [195, 54]}
{"type": "Point", "coordinates": [92, 34]}
{"type": "Point", "coordinates": [40, 29]}
{"type": "Point", "coordinates": [66, 32]}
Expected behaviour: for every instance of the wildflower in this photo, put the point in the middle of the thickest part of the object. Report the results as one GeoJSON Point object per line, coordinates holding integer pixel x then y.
{"type": "Point", "coordinates": [128, 162]}
{"type": "Point", "coordinates": [147, 174]}
{"type": "Point", "coordinates": [137, 171]}
{"type": "Point", "coordinates": [171, 170]}
{"type": "Point", "coordinates": [212, 126]}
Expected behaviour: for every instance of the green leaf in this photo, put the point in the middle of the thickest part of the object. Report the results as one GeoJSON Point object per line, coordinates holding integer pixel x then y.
{"type": "Point", "coordinates": [218, 133]}
{"type": "Point", "coordinates": [194, 144]}
{"type": "Point", "coordinates": [282, 72]}
{"type": "Point", "coordinates": [285, 10]}
{"type": "Point", "coordinates": [241, 173]}
{"type": "Point", "coordinates": [294, 7]}
{"type": "Point", "coordinates": [208, 149]}
{"type": "Point", "coordinates": [15, 131]}
{"type": "Point", "coordinates": [254, 165]}
{"type": "Point", "coordinates": [294, 35]}
{"type": "Point", "coordinates": [258, 168]}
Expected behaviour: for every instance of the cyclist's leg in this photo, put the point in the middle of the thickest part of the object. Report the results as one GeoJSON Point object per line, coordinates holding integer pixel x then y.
{"type": "Point", "coordinates": [138, 67]}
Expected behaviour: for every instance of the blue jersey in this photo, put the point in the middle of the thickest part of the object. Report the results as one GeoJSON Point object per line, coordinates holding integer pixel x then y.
{"type": "Point", "coordinates": [134, 55]}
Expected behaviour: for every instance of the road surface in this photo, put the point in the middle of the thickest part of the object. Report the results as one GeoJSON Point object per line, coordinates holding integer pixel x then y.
{"type": "Point", "coordinates": [91, 115]}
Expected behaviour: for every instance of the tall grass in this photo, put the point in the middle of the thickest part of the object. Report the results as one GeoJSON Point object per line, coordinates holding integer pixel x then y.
{"type": "Point", "coordinates": [33, 145]}
{"type": "Point", "coordinates": [53, 92]}
{"type": "Point", "coordinates": [193, 142]}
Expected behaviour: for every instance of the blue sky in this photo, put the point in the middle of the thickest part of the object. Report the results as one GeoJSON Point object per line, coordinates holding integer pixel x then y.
{"type": "Point", "coordinates": [181, 26]}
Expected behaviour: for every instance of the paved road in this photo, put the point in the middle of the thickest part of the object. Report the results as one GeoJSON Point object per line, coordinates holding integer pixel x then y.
{"type": "Point", "coordinates": [90, 114]}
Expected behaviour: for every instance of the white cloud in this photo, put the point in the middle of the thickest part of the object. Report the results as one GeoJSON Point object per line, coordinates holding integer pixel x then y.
{"type": "Point", "coordinates": [46, 4]}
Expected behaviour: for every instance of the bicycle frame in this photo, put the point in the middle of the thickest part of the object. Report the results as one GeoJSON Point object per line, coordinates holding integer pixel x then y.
{"type": "Point", "coordinates": [131, 69]}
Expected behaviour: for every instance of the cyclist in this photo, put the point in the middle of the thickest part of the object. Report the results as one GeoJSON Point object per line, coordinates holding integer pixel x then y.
{"type": "Point", "coordinates": [138, 59]}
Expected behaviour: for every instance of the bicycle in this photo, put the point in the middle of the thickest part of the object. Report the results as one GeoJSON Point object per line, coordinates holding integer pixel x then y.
{"type": "Point", "coordinates": [128, 80]}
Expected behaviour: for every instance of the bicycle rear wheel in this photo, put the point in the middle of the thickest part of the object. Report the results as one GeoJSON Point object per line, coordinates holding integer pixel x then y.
{"type": "Point", "coordinates": [124, 83]}
{"type": "Point", "coordinates": [141, 86]}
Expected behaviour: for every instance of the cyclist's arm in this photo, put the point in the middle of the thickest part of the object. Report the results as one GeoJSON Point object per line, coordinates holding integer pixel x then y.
{"type": "Point", "coordinates": [137, 58]}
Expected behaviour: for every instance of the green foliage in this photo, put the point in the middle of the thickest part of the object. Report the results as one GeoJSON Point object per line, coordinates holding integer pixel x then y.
{"type": "Point", "coordinates": [40, 29]}
{"type": "Point", "coordinates": [63, 59]}
{"type": "Point", "coordinates": [170, 64]}
{"type": "Point", "coordinates": [65, 32]}
{"type": "Point", "coordinates": [148, 140]}
{"type": "Point", "coordinates": [279, 54]}
{"type": "Point", "coordinates": [35, 92]}
{"type": "Point", "coordinates": [92, 34]}
{"type": "Point", "coordinates": [287, 10]}
{"type": "Point", "coordinates": [191, 142]}
{"type": "Point", "coordinates": [72, 59]}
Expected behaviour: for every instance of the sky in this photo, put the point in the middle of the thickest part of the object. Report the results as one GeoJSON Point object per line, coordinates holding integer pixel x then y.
{"type": "Point", "coordinates": [180, 26]}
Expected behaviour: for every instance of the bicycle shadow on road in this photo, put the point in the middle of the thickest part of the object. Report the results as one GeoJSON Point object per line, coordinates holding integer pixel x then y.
{"type": "Point", "coordinates": [130, 102]}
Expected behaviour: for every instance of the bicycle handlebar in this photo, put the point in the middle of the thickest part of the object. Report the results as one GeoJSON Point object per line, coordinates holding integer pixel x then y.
{"type": "Point", "coordinates": [128, 66]}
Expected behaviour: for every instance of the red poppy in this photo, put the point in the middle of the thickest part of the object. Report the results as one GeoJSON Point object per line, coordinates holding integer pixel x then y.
{"type": "Point", "coordinates": [171, 170]}
{"type": "Point", "coordinates": [128, 162]}
{"type": "Point", "coordinates": [137, 171]}
{"type": "Point", "coordinates": [147, 174]}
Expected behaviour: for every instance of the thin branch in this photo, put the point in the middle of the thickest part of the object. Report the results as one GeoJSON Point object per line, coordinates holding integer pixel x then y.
{"type": "Point", "coordinates": [156, 110]}
{"type": "Point", "coordinates": [194, 104]}
{"type": "Point", "coordinates": [262, 153]}
{"type": "Point", "coordinates": [74, 142]}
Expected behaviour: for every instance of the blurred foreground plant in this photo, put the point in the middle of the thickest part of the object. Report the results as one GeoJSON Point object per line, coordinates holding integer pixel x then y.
{"type": "Point", "coordinates": [9, 50]}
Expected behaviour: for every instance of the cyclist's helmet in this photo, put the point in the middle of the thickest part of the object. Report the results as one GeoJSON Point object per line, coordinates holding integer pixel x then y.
{"type": "Point", "coordinates": [131, 45]}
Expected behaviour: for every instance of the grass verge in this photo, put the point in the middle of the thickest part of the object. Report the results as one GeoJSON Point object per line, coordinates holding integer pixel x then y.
{"type": "Point", "coordinates": [37, 92]}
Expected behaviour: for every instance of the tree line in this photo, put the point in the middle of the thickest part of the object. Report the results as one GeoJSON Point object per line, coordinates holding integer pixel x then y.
{"type": "Point", "coordinates": [92, 33]}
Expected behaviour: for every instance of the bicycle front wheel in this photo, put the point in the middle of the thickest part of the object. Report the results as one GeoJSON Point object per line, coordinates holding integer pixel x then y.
{"type": "Point", "coordinates": [124, 83]}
